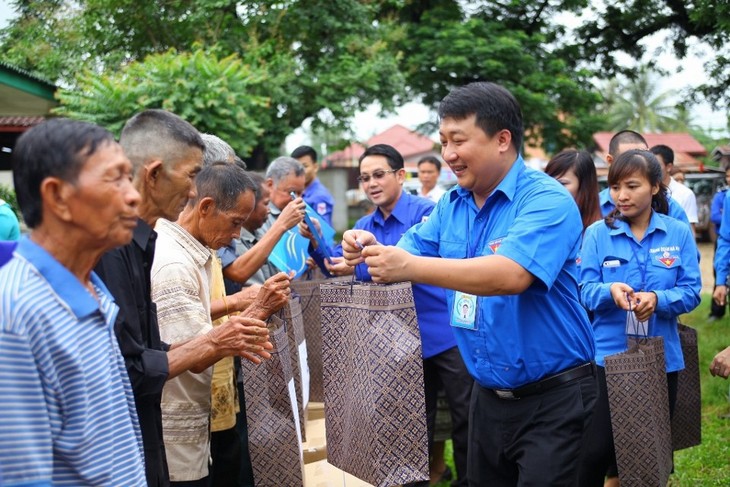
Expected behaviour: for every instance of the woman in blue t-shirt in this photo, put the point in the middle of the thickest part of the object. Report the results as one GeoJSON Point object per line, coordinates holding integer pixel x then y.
{"type": "Point", "coordinates": [636, 260]}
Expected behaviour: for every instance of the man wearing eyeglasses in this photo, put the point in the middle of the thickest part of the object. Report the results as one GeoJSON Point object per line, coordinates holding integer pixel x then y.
{"type": "Point", "coordinates": [382, 176]}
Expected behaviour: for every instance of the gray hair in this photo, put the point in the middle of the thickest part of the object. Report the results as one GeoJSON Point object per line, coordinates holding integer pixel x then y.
{"type": "Point", "coordinates": [282, 167]}
{"type": "Point", "coordinates": [218, 150]}
{"type": "Point", "coordinates": [158, 134]}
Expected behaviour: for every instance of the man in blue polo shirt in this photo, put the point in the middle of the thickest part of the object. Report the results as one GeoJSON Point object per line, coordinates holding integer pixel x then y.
{"type": "Point", "coordinates": [621, 142]}
{"type": "Point", "coordinates": [67, 409]}
{"type": "Point", "coordinates": [315, 194]}
{"type": "Point", "coordinates": [505, 244]}
{"type": "Point", "coordinates": [382, 175]}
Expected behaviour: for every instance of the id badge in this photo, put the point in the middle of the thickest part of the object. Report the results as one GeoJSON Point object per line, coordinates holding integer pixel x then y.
{"type": "Point", "coordinates": [465, 311]}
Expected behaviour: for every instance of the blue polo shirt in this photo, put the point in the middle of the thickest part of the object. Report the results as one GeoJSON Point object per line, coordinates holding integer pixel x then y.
{"type": "Point", "coordinates": [531, 219]}
{"type": "Point", "coordinates": [665, 262]}
{"type": "Point", "coordinates": [431, 310]}
{"type": "Point", "coordinates": [722, 254]}
{"type": "Point", "coordinates": [675, 209]}
{"type": "Point", "coordinates": [320, 199]}
{"type": "Point", "coordinates": [67, 411]}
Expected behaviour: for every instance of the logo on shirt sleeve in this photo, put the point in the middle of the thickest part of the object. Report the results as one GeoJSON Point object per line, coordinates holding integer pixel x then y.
{"type": "Point", "coordinates": [667, 259]}
{"type": "Point", "coordinates": [495, 244]}
{"type": "Point", "coordinates": [322, 208]}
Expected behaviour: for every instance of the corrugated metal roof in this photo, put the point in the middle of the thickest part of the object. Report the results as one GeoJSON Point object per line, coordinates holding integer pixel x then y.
{"type": "Point", "coordinates": [403, 139]}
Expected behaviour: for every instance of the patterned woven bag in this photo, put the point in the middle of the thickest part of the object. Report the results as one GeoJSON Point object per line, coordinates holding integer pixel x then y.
{"type": "Point", "coordinates": [309, 299]}
{"type": "Point", "coordinates": [637, 397]}
{"type": "Point", "coordinates": [274, 440]}
{"type": "Point", "coordinates": [291, 315]}
{"type": "Point", "coordinates": [375, 409]}
{"type": "Point", "coordinates": [687, 418]}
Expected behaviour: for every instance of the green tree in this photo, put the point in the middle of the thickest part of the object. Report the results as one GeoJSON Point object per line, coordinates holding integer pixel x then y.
{"type": "Point", "coordinates": [622, 25]}
{"type": "Point", "coordinates": [323, 60]}
{"type": "Point", "coordinates": [211, 93]}
{"type": "Point", "coordinates": [636, 105]}
{"type": "Point", "coordinates": [512, 44]}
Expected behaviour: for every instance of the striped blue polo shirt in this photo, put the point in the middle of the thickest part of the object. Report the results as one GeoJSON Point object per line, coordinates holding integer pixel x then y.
{"type": "Point", "coordinates": [67, 413]}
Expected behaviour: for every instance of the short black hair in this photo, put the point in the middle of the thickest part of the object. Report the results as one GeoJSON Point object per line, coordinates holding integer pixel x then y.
{"type": "Point", "coordinates": [56, 148]}
{"type": "Point", "coordinates": [394, 158]}
{"type": "Point", "coordinates": [665, 151]}
{"type": "Point", "coordinates": [224, 183]}
{"type": "Point", "coordinates": [304, 150]}
{"type": "Point", "coordinates": [431, 159]}
{"type": "Point", "coordinates": [624, 137]}
{"type": "Point", "coordinates": [493, 105]}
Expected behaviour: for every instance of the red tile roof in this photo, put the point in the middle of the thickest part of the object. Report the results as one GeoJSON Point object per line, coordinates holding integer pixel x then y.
{"type": "Point", "coordinates": [679, 142]}
{"type": "Point", "coordinates": [20, 121]}
{"type": "Point", "coordinates": [405, 141]}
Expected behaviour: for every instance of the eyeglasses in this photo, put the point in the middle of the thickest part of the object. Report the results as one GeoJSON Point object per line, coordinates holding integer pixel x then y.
{"type": "Point", "coordinates": [377, 175]}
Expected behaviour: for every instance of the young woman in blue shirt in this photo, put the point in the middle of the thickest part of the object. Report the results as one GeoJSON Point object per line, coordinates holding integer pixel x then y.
{"type": "Point", "coordinates": [637, 259]}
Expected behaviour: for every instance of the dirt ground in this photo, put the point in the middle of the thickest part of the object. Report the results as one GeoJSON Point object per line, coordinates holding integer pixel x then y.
{"type": "Point", "coordinates": [706, 253]}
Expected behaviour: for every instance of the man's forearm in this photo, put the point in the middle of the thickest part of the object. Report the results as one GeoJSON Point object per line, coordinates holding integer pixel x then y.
{"type": "Point", "coordinates": [196, 355]}
{"type": "Point", "coordinates": [481, 276]}
{"type": "Point", "coordinates": [246, 265]}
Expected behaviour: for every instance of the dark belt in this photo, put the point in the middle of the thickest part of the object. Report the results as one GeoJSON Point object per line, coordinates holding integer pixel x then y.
{"type": "Point", "coordinates": [548, 383]}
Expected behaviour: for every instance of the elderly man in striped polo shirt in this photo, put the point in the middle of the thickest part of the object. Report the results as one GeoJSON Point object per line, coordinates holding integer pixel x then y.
{"type": "Point", "coordinates": [67, 412]}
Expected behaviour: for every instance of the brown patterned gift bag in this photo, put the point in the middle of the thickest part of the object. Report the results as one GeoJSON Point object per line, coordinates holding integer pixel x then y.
{"type": "Point", "coordinates": [375, 409]}
{"type": "Point", "coordinates": [274, 440]}
{"type": "Point", "coordinates": [309, 299]}
{"type": "Point", "coordinates": [291, 315]}
{"type": "Point", "coordinates": [637, 397]}
{"type": "Point", "coordinates": [687, 418]}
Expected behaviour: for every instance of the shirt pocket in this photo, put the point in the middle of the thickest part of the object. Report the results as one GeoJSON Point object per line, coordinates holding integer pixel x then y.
{"type": "Point", "coordinates": [614, 269]}
{"type": "Point", "coordinates": [666, 269]}
{"type": "Point", "coordinates": [452, 250]}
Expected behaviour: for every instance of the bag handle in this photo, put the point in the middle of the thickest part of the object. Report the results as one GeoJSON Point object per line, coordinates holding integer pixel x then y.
{"type": "Point", "coordinates": [634, 327]}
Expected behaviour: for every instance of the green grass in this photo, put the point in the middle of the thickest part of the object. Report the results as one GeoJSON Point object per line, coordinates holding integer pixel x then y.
{"type": "Point", "coordinates": [709, 463]}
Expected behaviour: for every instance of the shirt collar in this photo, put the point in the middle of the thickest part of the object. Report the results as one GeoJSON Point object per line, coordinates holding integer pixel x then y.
{"type": "Point", "coordinates": [604, 197]}
{"type": "Point", "coordinates": [400, 210]}
{"type": "Point", "coordinates": [199, 252]}
{"type": "Point", "coordinates": [655, 223]}
{"type": "Point", "coordinates": [143, 233]}
{"type": "Point", "coordinates": [66, 285]}
{"type": "Point", "coordinates": [273, 210]}
{"type": "Point", "coordinates": [247, 236]}
{"type": "Point", "coordinates": [507, 186]}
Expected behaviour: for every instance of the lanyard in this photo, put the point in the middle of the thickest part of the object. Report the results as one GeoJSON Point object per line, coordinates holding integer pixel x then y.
{"type": "Point", "coordinates": [642, 268]}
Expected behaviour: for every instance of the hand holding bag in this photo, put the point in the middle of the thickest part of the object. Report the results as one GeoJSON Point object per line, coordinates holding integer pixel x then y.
{"type": "Point", "coordinates": [375, 409]}
{"type": "Point", "coordinates": [274, 439]}
{"type": "Point", "coordinates": [637, 395]}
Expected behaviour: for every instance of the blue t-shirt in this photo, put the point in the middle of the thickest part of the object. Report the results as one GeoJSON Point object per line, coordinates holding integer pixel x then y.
{"type": "Point", "coordinates": [430, 301]}
{"type": "Point", "coordinates": [665, 262]}
{"type": "Point", "coordinates": [320, 199]}
{"type": "Point", "coordinates": [9, 225]}
{"type": "Point", "coordinates": [531, 219]}
{"type": "Point", "coordinates": [675, 209]}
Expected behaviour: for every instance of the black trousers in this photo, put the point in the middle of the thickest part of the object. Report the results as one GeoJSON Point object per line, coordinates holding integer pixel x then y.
{"type": "Point", "coordinates": [447, 369]}
{"type": "Point", "coordinates": [532, 441]}
{"type": "Point", "coordinates": [598, 458]}
{"type": "Point", "coordinates": [225, 451]}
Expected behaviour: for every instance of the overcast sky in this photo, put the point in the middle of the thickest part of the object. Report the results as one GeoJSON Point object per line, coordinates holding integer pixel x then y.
{"type": "Point", "coordinates": [690, 73]}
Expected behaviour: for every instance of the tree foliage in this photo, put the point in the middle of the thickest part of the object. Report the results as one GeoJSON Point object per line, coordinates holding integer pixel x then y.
{"type": "Point", "coordinates": [445, 46]}
{"type": "Point", "coordinates": [211, 93]}
{"type": "Point", "coordinates": [635, 104]}
{"type": "Point", "coordinates": [324, 60]}
{"type": "Point", "coordinates": [622, 25]}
